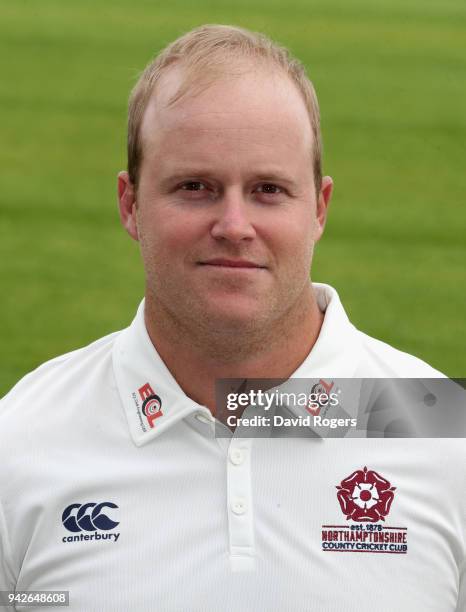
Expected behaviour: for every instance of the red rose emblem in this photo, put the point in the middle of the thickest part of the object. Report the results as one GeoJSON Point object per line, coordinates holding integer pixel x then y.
{"type": "Point", "coordinates": [365, 496]}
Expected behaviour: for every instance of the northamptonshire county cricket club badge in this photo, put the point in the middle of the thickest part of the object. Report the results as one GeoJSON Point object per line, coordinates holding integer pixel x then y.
{"type": "Point", "coordinates": [365, 498]}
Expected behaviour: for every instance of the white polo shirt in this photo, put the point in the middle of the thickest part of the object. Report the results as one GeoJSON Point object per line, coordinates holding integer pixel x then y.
{"type": "Point", "coordinates": [113, 487]}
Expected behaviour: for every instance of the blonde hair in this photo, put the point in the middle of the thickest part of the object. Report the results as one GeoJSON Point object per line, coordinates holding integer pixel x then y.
{"type": "Point", "coordinates": [207, 53]}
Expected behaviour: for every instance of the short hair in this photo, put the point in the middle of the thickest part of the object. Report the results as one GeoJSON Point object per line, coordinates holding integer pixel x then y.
{"type": "Point", "coordinates": [205, 54]}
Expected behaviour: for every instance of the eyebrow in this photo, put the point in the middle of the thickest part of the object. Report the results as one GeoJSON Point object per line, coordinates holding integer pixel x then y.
{"type": "Point", "coordinates": [275, 177]}
{"type": "Point", "coordinates": [271, 176]}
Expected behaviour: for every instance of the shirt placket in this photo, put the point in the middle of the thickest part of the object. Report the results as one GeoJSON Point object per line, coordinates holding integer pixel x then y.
{"type": "Point", "coordinates": [240, 505]}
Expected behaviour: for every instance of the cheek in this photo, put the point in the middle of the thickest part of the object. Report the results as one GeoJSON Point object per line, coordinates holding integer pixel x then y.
{"type": "Point", "coordinates": [307, 234]}
{"type": "Point", "coordinates": [168, 238]}
{"type": "Point", "coordinates": [292, 238]}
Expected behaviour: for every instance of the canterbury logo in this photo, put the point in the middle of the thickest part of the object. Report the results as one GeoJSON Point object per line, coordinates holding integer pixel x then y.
{"type": "Point", "coordinates": [88, 517]}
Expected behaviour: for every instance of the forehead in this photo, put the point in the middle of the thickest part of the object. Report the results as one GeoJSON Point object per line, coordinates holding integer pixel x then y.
{"type": "Point", "coordinates": [259, 115]}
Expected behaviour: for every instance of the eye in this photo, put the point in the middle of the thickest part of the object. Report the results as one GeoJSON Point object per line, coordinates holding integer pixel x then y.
{"type": "Point", "coordinates": [193, 186]}
{"type": "Point", "coordinates": [269, 188]}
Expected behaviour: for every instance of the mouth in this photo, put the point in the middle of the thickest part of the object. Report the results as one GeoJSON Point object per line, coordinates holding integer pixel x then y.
{"type": "Point", "coordinates": [232, 263]}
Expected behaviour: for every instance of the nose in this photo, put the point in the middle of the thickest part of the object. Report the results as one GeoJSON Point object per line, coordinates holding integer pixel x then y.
{"type": "Point", "coordinates": [232, 219]}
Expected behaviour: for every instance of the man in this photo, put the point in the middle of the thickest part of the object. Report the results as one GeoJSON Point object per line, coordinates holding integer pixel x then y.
{"type": "Point", "coordinates": [113, 484]}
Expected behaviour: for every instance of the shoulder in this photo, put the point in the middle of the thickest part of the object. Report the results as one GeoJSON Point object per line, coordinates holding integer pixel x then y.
{"type": "Point", "coordinates": [385, 360]}
{"type": "Point", "coordinates": [58, 377]}
{"type": "Point", "coordinates": [357, 354]}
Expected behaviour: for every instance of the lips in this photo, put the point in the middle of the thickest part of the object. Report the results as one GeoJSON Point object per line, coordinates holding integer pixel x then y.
{"type": "Point", "coordinates": [231, 263]}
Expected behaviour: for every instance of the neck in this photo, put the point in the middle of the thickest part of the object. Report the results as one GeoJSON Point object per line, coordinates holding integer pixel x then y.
{"type": "Point", "coordinates": [197, 356]}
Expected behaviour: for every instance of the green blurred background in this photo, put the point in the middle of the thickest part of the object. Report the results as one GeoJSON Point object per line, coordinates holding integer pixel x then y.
{"type": "Point", "coordinates": [391, 79]}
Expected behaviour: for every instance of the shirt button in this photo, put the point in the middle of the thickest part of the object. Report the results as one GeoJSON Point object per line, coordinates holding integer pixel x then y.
{"type": "Point", "coordinates": [238, 506]}
{"type": "Point", "coordinates": [236, 456]}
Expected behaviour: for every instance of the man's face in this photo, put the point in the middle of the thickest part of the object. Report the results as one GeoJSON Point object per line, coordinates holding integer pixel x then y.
{"type": "Point", "coordinates": [226, 211]}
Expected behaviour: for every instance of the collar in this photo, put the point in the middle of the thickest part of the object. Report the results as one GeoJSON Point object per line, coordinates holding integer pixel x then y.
{"type": "Point", "coordinates": [153, 401]}
{"type": "Point", "coordinates": [337, 350]}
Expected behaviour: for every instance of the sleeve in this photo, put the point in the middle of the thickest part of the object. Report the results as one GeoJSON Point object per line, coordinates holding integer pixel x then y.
{"type": "Point", "coordinates": [7, 580]}
{"type": "Point", "coordinates": [462, 589]}
{"type": "Point", "coordinates": [461, 606]}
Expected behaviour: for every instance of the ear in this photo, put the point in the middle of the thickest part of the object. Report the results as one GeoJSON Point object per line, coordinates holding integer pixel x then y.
{"type": "Point", "coordinates": [127, 204]}
{"type": "Point", "coordinates": [323, 202]}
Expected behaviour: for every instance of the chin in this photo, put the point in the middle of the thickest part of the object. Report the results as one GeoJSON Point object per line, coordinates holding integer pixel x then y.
{"type": "Point", "coordinates": [233, 315]}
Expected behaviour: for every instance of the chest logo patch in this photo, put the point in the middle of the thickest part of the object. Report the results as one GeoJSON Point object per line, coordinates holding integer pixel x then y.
{"type": "Point", "coordinates": [91, 521]}
{"type": "Point", "coordinates": [365, 498]}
